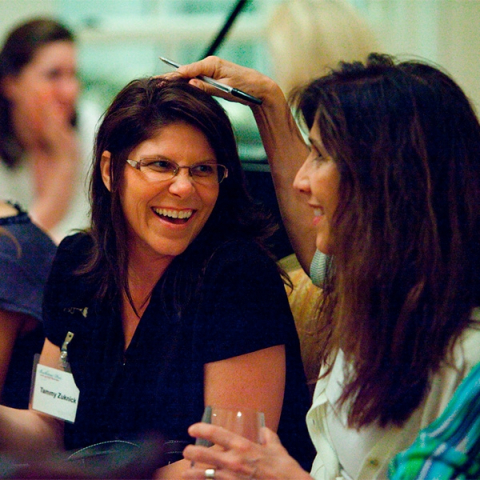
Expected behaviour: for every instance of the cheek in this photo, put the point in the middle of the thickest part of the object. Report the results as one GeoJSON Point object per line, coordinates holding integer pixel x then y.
{"type": "Point", "coordinates": [20, 92]}
{"type": "Point", "coordinates": [70, 88]}
{"type": "Point", "coordinates": [210, 198]}
{"type": "Point", "coordinates": [130, 198]}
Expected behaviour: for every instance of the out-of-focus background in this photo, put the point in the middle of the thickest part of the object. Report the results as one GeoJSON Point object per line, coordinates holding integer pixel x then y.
{"type": "Point", "coordinates": [119, 40]}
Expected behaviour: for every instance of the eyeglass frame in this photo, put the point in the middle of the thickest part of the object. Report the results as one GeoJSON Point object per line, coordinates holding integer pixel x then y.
{"type": "Point", "coordinates": [137, 164]}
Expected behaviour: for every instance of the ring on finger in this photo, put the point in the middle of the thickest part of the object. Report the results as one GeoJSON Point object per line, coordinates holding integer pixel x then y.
{"type": "Point", "coordinates": [210, 474]}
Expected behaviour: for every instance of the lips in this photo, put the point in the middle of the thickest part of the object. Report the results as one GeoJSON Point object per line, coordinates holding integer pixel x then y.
{"type": "Point", "coordinates": [174, 216]}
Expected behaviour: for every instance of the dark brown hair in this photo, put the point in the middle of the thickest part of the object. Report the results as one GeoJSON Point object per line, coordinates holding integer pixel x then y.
{"type": "Point", "coordinates": [20, 47]}
{"type": "Point", "coordinates": [406, 231]}
{"type": "Point", "coordinates": [137, 113]}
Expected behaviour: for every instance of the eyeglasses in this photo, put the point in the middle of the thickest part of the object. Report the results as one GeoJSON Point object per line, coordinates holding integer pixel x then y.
{"type": "Point", "coordinates": [159, 170]}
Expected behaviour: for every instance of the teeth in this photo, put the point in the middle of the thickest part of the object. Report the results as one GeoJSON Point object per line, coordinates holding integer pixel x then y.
{"type": "Point", "coordinates": [317, 212]}
{"type": "Point", "coordinates": [174, 213]}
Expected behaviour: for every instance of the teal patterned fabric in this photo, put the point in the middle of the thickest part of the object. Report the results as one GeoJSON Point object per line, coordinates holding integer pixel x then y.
{"type": "Point", "coordinates": [450, 446]}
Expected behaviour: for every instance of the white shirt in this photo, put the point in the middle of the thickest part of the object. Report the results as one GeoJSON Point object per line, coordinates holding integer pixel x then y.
{"type": "Point", "coordinates": [373, 447]}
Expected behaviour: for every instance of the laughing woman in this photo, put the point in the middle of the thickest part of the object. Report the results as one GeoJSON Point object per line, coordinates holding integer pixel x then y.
{"type": "Point", "coordinates": [171, 296]}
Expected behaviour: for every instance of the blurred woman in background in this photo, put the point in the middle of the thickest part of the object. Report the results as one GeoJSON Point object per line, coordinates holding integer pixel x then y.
{"type": "Point", "coordinates": [41, 152]}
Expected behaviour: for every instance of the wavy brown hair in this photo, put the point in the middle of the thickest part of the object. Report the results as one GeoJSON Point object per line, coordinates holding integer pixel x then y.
{"type": "Point", "coordinates": [406, 230]}
{"type": "Point", "coordinates": [139, 111]}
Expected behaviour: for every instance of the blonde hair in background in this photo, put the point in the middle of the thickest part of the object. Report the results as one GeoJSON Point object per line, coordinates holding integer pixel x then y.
{"type": "Point", "coordinates": [308, 37]}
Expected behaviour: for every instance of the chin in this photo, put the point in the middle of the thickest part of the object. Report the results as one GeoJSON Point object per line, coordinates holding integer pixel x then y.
{"type": "Point", "coordinates": [324, 247]}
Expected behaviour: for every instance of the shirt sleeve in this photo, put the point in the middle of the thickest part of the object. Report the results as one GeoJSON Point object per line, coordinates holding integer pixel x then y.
{"type": "Point", "coordinates": [24, 269]}
{"type": "Point", "coordinates": [244, 307]}
{"type": "Point", "coordinates": [66, 294]}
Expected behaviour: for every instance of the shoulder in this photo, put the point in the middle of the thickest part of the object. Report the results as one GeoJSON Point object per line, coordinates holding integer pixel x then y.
{"type": "Point", "coordinates": [465, 356]}
{"type": "Point", "coordinates": [74, 249]}
{"type": "Point", "coordinates": [454, 434]}
{"type": "Point", "coordinates": [80, 240]}
{"type": "Point", "coordinates": [26, 256]}
{"type": "Point", "coordinates": [7, 210]}
{"type": "Point", "coordinates": [63, 282]}
{"type": "Point", "coordinates": [24, 244]}
{"type": "Point", "coordinates": [67, 295]}
{"type": "Point", "coordinates": [466, 353]}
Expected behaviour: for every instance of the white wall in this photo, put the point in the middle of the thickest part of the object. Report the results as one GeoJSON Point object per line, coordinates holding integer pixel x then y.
{"type": "Point", "coordinates": [15, 11]}
{"type": "Point", "coordinates": [446, 32]}
{"type": "Point", "coordinates": [120, 39]}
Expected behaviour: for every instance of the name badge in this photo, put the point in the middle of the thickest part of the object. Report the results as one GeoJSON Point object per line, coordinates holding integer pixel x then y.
{"type": "Point", "coordinates": [55, 393]}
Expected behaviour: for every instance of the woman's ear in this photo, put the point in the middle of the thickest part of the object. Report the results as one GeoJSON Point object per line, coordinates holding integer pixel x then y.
{"type": "Point", "coordinates": [105, 169]}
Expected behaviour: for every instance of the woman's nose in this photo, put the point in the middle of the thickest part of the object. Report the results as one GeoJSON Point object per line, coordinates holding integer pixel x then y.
{"type": "Point", "coordinates": [69, 89]}
{"type": "Point", "coordinates": [182, 183]}
{"type": "Point", "coordinates": [302, 179]}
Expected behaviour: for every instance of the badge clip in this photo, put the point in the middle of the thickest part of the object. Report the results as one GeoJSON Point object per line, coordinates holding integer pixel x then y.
{"type": "Point", "coordinates": [64, 353]}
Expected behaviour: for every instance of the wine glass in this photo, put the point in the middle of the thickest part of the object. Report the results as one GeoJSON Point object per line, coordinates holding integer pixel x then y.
{"type": "Point", "coordinates": [242, 421]}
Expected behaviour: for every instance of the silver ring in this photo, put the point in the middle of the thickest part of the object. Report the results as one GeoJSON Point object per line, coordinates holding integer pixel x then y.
{"type": "Point", "coordinates": [210, 473]}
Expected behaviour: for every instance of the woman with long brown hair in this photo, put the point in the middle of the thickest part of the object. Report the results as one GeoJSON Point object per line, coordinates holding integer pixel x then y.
{"type": "Point", "coordinates": [392, 181]}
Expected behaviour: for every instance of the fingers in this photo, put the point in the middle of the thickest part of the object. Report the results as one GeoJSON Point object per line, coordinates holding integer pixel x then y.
{"type": "Point", "coordinates": [227, 73]}
{"type": "Point", "coordinates": [240, 459]}
{"type": "Point", "coordinates": [212, 66]}
{"type": "Point", "coordinates": [198, 473]}
{"type": "Point", "coordinates": [229, 468]}
{"type": "Point", "coordinates": [219, 436]}
{"type": "Point", "coordinates": [237, 459]}
{"type": "Point", "coordinates": [268, 436]}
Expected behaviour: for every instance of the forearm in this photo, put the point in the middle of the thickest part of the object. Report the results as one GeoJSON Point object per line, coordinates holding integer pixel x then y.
{"type": "Point", "coordinates": [172, 471]}
{"type": "Point", "coordinates": [27, 434]}
{"type": "Point", "coordinates": [286, 151]}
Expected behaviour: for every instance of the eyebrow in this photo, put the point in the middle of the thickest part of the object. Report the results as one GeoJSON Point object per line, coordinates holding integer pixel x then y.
{"type": "Point", "coordinates": [319, 146]}
{"type": "Point", "coordinates": [210, 161]}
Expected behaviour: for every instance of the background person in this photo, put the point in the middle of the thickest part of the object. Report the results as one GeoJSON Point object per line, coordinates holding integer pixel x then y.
{"type": "Point", "coordinates": [42, 151]}
{"type": "Point", "coordinates": [26, 255]}
{"type": "Point", "coordinates": [172, 298]}
{"type": "Point", "coordinates": [393, 181]}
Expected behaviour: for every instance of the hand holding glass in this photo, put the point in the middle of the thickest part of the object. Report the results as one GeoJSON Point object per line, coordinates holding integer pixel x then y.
{"type": "Point", "coordinates": [244, 422]}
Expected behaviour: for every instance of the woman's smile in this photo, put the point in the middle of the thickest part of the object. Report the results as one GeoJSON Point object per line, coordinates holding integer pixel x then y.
{"type": "Point", "coordinates": [174, 216]}
{"type": "Point", "coordinates": [319, 179]}
{"type": "Point", "coordinates": [165, 216]}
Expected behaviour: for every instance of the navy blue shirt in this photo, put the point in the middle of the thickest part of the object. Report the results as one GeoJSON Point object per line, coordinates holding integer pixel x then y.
{"type": "Point", "coordinates": [156, 385]}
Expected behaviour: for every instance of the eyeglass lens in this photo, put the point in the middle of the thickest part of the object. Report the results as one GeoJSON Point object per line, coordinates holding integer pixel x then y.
{"type": "Point", "coordinates": [204, 173]}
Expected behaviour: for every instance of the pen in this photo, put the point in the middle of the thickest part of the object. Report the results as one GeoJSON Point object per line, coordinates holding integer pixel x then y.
{"type": "Point", "coordinates": [224, 88]}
